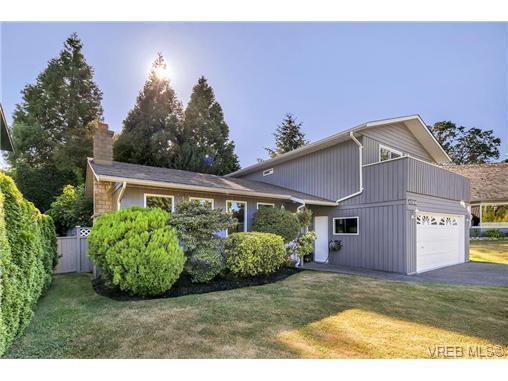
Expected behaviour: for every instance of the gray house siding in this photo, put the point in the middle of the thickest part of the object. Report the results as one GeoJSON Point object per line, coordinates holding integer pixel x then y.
{"type": "Point", "coordinates": [395, 136]}
{"type": "Point", "coordinates": [330, 173]}
{"type": "Point", "coordinates": [135, 196]}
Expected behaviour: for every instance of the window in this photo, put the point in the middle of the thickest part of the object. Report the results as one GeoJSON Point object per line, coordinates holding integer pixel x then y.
{"type": "Point", "coordinates": [239, 211]}
{"type": "Point", "coordinates": [165, 202]}
{"type": "Point", "coordinates": [268, 172]}
{"type": "Point", "coordinates": [203, 201]}
{"type": "Point", "coordinates": [494, 215]}
{"type": "Point", "coordinates": [345, 225]}
{"type": "Point", "coordinates": [386, 153]}
{"type": "Point", "coordinates": [262, 205]}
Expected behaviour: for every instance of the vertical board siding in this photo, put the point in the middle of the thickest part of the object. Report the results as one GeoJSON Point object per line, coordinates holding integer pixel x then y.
{"type": "Point", "coordinates": [330, 173]}
{"type": "Point", "coordinates": [396, 136]}
{"type": "Point", "coordinates": [73, 255]}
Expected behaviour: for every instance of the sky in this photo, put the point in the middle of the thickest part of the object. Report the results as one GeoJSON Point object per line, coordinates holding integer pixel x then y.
{"type": "Point", "coordinates": [331, 76]}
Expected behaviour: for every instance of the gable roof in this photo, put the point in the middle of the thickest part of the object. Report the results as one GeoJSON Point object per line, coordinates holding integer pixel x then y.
{"type": "Point", "coordinates": [200, 182]}
{"type": "Point", "coordinates": [489, 182]}
{"type": "Point", "coordinates": [414, 123]}
{"type": "Point", "coordinates": [5, 137]}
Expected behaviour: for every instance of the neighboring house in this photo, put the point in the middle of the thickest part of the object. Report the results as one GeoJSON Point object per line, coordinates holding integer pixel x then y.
{"type": "Point", "coordinates": [376, 187]}
{"type": "Point", "coordinates": [5, 137]}
{"type": "Point", "coordinates": [489, 195]}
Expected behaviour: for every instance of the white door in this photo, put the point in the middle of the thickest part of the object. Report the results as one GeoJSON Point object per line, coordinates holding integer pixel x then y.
{"type": "Point", "coordinates": [321, 244]}
{"type": "Point", "coordinates": [439, 241]}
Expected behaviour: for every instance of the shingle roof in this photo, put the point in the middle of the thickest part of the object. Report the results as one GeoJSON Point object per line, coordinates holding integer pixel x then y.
{"type": "Point", "coordinates": [120, 171]}
{"type": "Point", "coordinates": [489, 182]}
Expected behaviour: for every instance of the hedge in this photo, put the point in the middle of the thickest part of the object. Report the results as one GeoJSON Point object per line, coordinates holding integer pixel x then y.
{"type": "Point", "coordinates": [250, 254]}
{"type": "Point", "coordinates": [27, 257]}
{"type": "Point", "coordinates": [137, 250]}
{"type": "Point", "coordinates": [276, 221]}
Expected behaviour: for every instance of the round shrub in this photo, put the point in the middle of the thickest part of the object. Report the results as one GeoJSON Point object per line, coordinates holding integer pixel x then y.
{"type": "Point", "coordinates": [137, 250]}
{"type": "Point", "coordinates": [204, 264]}
{"type": "Point", "coordinates": [250, 254]}
{"type": "Point", "coordinates": [276, 221]}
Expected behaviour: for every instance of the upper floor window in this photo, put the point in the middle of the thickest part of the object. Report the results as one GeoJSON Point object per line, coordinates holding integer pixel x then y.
{"type": "Point", "coordinates": [162, 201]}
{"type": "Point", "coordinates": [202, 201]}
{"type": "Point", "coordinates": [268, 172]}
{"type": "Point", "coordinates": [387, 153]}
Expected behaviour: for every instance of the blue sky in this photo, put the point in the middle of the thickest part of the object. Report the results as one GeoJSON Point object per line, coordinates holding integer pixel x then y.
{"type": "Point", "coordinates": [332, 76]}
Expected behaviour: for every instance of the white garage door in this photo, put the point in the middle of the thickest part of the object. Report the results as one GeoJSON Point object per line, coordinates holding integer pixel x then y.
{"type": "Point", "coordinates": [439, 241]}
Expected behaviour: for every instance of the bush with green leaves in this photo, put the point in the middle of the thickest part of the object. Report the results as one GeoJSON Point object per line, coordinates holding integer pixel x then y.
{"type": "Point", "coordinates": [305, 217]}
{"type": "Point", "coordinates": [71, 208]}
{"type": "Point", "coordinates": [494, 233]}
{"type": "Point", "coordinates": [303, 245]}
{"type": "Point", "coordinates": [254, 253]}
{"type": "Point", "coordinates": [137, 251]}
{"type": "Point", "coordinates": [276, 221]}
{"type": "Point", "coordinates": [204, 264]}
{"type": "Point", "coordinates": [27, 258]}
{"type": "Point", "coordinates": [197, 225]}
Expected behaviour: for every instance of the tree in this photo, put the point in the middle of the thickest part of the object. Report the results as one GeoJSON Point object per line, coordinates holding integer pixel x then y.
{"type": "Point", "coordinates": [466, 146]}
{"type": "Point", "coordinates": [288, 137]}
{"type": "Point", "coordinates": [52, 129]}
{"type": "Point", "coordinates": [71, 208]}
{"type": "Point", "coordinates": [206, 146]}
{"type": "Point", "coordinates": [151, 130]}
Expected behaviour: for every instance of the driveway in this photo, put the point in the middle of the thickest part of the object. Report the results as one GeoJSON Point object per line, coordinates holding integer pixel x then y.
{"type": "Point", "coordinates": [474, 273]}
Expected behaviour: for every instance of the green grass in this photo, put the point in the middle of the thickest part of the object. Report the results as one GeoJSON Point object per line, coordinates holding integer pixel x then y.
{"type": "Point", "coordinates": [310, 314]}
{"type": "Point", "coordinates": [489, 251]}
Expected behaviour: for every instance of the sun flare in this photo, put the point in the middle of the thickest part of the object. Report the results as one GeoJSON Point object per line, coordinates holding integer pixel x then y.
{"type": "Point", "coordinates": [162, 72]}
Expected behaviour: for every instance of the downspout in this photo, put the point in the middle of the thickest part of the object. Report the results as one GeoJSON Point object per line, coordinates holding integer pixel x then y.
{"type": "Point", "coordinates": [360, 161]}
{"type": "Point", "coordinates": [120, 195]}
{"type": "Point", "coordinates": [300, 201]}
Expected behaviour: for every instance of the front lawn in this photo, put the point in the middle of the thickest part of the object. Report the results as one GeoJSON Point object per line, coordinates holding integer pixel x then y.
{"type": "Point", "coordinates": [310, 314]}
{"type": "Point", "coordinates": [489, 251]}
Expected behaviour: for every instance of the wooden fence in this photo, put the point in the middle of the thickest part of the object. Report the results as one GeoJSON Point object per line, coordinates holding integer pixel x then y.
{"type": "Point", "coordinates": [73, 253]}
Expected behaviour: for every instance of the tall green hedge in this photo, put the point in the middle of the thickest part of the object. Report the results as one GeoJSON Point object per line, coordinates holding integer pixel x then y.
{"type": "Point", "coordinates": [27, 257]}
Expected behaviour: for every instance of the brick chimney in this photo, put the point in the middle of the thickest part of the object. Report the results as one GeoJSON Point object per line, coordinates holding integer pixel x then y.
{"type": "Point", "coordinates": [103, 144]}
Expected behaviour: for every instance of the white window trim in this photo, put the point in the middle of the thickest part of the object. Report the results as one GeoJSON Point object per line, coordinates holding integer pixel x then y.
{"type": "Point", "coordinates": [265, 203]}
{"type": "Point", "coordinates": [381, 146]}
{"type": "Point", "coordinates": [211, 200]}
{"type": "Point", "coordinates": [343, 218]}
{"type": "Point", "coordinates": [245, 213]}
{"type": "Point", "coordinates": [268, 172]}
{"type": "Point", "coordinates": [145, 195]}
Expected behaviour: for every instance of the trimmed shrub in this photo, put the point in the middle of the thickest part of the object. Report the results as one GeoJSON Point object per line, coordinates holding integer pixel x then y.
{"type": "Point", "coordinates": [494, 233]}
{"type": "Point", "coordinates": [204, 264]}
{"type": "Point", "coordinates": [27, 258]}
{"type": "Point", "coordinates": [250, 254]}
{"type": "Point", "coordinates": [276, 221]}
{"type": "Point", "coordinates": [137, 250]}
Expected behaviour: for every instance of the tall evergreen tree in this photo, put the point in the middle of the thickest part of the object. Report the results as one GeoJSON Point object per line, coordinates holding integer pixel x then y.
{"type": "Point", "coordinates": [52, 129]}
{"type": "Point", "coordinates": [206, 146]}
{"type": "Point", "coordinates": [288, 137]}
{"type": "Point", "coordinates": [151, 130]}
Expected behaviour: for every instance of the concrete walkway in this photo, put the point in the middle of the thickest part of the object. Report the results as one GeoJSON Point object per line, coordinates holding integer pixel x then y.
{"type": "Point", "coordinates": [470, 273]}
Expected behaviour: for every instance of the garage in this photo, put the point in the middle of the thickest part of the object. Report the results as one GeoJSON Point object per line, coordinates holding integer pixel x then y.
{"type": "Point", "coordinates": [440, 240]}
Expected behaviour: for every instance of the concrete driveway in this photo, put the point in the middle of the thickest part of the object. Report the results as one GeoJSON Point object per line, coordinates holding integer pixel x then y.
{"type": "Point", "coordinates": [474, 273]}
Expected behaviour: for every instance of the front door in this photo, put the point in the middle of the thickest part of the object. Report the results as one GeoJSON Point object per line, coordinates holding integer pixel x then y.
{"type": "Point", "coordinates": [321, 244]}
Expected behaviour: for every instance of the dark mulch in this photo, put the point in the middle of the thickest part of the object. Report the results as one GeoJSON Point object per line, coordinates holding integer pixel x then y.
{"type": "Point", "coordinates": [184, 286]}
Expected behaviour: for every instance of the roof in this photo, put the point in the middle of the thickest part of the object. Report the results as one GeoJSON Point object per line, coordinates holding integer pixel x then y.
{"type": "Point", "coordinates": [489, 182]}
{"type": "Point", "coordinates": [174, 178]}
{"type": "Point", "coordinates": [5, 137]}
{"type": "Point", "coordinates": [414, 123]}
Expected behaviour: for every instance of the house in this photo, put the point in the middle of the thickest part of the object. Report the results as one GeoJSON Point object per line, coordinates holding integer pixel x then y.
{"type": "Point", "coordinates": [5, 137]}
{"type": "Point", "coordinates": [489, 195]}
{"type": "Point", "coordinates": [378, 188]}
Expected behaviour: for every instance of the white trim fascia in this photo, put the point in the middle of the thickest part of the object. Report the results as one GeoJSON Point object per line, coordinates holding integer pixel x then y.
{"type": "Point", "coordinates": [264, 203]}
{"type": "Point", "coordinates": [244, 214]}
{"type": "Point", "coordinates": [382, 146]}
{"type": "Point", "coordinates": [414, 158]}
{"type": "Point", "coordinates": [91, 167]}
{"type": "Point", "coordinates": [160, 195]}
{"type": "Point", "coordinates": [343, 218]}
{"type": "Point", "coordinates": [211, 200]}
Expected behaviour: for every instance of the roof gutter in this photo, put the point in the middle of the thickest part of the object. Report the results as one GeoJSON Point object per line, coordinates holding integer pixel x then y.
{"type": "Point", "coordinates": [360, 162]}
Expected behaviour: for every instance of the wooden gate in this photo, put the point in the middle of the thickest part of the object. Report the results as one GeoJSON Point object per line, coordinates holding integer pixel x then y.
{"type": "Point", "coordinates": [73, 253]}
